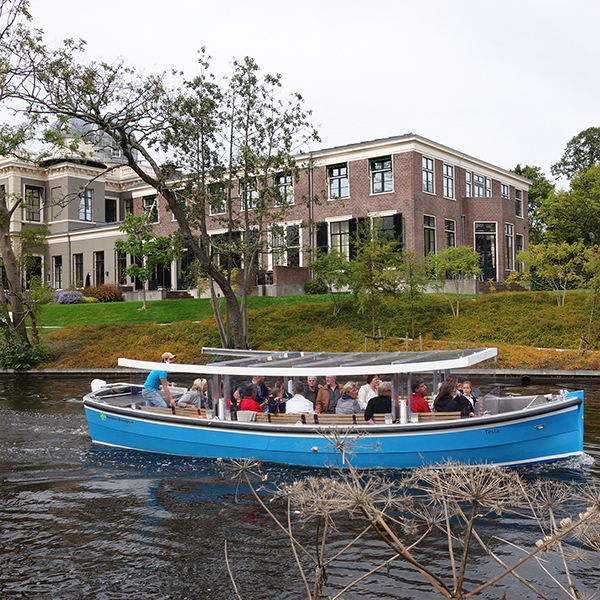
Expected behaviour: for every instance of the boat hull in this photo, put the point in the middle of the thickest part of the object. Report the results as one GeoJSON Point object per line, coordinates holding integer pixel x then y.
{"type": "Point", "coordinates": [540, 434]}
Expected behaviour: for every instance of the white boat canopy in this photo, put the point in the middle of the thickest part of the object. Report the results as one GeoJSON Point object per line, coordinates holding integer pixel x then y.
{"type": "Point", "coordinates": [304, 364]}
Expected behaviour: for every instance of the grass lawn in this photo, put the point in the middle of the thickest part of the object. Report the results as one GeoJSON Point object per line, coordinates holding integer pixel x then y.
{"type": "Point", "coordinates": [158, 311]}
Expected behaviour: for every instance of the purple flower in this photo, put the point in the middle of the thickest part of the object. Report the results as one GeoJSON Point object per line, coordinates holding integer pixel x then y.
{"type": "Point", "coordinates": [69, 297]}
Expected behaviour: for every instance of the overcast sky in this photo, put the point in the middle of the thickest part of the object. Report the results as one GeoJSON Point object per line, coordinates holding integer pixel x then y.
{"type": "Point", "coordinates": [507, 81]}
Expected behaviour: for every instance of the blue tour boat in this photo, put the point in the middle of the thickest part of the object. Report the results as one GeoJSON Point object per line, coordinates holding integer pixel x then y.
{"type": "Point", "coordinates": [508, 430]}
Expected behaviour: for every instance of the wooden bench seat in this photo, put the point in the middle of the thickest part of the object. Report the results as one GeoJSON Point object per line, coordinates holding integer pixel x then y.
{"type": "Point", "coordinates": [179, 410]}
{"type": "Point", "coordinates": [438, 416]}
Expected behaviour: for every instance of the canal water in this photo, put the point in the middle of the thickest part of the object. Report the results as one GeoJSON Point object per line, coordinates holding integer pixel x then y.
{"type": "Point", "coordinates": [79, 521]}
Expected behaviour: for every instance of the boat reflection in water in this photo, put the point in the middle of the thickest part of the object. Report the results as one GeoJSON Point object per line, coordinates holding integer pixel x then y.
{"type": "Point", "coordinates": [509, 431]}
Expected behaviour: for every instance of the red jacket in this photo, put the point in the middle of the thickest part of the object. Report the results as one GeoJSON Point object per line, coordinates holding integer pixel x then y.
{"type": "Point", "coordinates": [248, 404]}
{"type": "Point", "coordinates": [418, 403]}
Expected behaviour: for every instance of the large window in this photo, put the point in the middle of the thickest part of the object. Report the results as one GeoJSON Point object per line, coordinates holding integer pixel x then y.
{"type": "Point", "coordinates": [110, 209]}
{"type": "Point", "coordinates": [520, 246]}
{"type": "Point", "coordinates": [338, 182]}
{"type": "Point", "coordinates": [428, 175]}
{"type": "Point", "coordinates": [121, 266]}
{"type": "Point", "coordinates": [448, 181]}
{"type": "Point", "coordinates": [509, 249]}
{"type": "Point", "coordinates": [468, 184]}
{"type": "Point", "coordinates": [381, 175]}
{"type": "Point", "coordinates": [429, 232]}
{"type": "Point", "coordinates": [450, 231]}
{"type": "Point", "coordinates": [85, 205]}
{"type": "Point", "coordinates": [285, 242]}
{"type": "Point", "coordinates": [339, 232]}
{"type": "Point", "coordinates": [249, 195]}
{"type": "Point", "coordinates": [99, 268]}
{"type": "Point", "coordinates": [285, 189]}
{"type": "Point", "coordinates": [478, 186]}
{"type": "Point", "coordinates": [216, 199]}
{"type": "Point", "coordinates": [33, 203]}
{"type": "Point", "coordinates": [150, 206]}
{"type": "Point", "coordinates": [488, 188]}
{"type": "Point", "coordinates": [58, 271]}
{"type": "Point", "coordinates": [518, 203]}
{"type": "Point", "coordinates": [128, 206]}
{"type": "Point", "coordinates": [503, 190]}
{"type": "Point", "coordinates": [78, 270]}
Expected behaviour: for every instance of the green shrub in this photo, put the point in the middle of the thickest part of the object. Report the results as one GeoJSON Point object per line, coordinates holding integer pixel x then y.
{"type": "Point", "coordinates": [315, 286]}
{"type": "Point", "coordinates": [104, 293]}
{"type": "Point", "coordinates": [17, 355]}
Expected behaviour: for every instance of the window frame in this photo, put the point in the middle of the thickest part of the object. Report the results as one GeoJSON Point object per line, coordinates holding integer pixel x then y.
{"type": "Point", "coordinates": [57, 271]}
{"type": "Point", "coordinates": [519, 247]}
{"type": "Point", "coordinates": [428, 170]}
{"type": "Point", "coordinates": [380, 168]}
{"type": "Point", "coordinates": [478, 186]}
{"type": "Point", "coordinates": [34, 208]}
{"type": "Point", "coordinates": [509, 246]}
{"type": "Point", "coordinates": [429, 234]}
{"type": "Point", "coordinates": [78, 268]}
{"type": "Point", "coordinates": [248, 188]}
{"type": "Point", "coordinates": [450, 233]}
{"type": "Point", "coordinates": [504, 191]}
{"type": "Point", "coordinates": [285, 186]}
{"type": "Point", "coordinates": [448, 181]}
{"type": "Point", "coordinates": [150, 207]}
{"type": "Point", "coordinates": [519, 203]}
{"type": "Point", "coordinates": [216, 193]}
{"type": "Point", "coordinates": [340, 239]}
{"type": "Point", "coordinates": [85, 205]}
{"type": "Point", "coordinates": [338, 179]}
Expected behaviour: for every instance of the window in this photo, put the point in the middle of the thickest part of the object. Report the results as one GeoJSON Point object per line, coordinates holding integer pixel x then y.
{"type": "Point", "coordinates": [216, 199]}
{"type": "Point", "coordinates": [121, 266]}
{"type": "Point", "coordinates": [488, 188]}
{"type": "Point", "coordinates": [478, 186]}
{"type": "Point", "coordinates": [85, 205]}
{"type": "Point", "coordinates": [33, 203]}
{"type": "Point", "coordinates": [57, 268]}
{"type": "Point", "coordinates": [285, 243]}
{"type": "Point", "coordinates": [448, 181]}
{"type": "Point", "coordinates": [128, 206]}
{"type": "Point", "coordinates": [78, 270]}
{"type": "Point", "coordinates": [509, 247]}
{"type": "Point", "coordinates": [503, 190]}
{"type": "Point", "coordinates": [518, 203]}
{"type": "Point", "coordinates": [429, 225]}
{"type": "Point", "coordinates": [249, 195]}
{"type": "Point", "coordinates": [116, 152]}
{"type": "Point", "coordinates": [150, 206]}
{"type": "Point", "coordinates": [428, 175]}
{"type": "Point", "coordinates": [340, 237]}
{"type": "Point", "coordinates": [468, 184]}
{"type": "Point", "coordinates": [99, 268]}
{"type": "Point", "coordinates": [381, 175]}
{"type": "Point", "coordinates": [450, 231]}
{"type": "Point", "coordinates": [110, 209]}
{"type": "Point", "coordinates": [520, 246]}
{"type": "Point", "coordinates": [338, 182]}
{"type": "Point", "coordinates": [285, 189]}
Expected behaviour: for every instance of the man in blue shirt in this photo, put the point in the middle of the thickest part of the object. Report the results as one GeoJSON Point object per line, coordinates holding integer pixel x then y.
{"type": "Point", "coordinates": [155, 380]}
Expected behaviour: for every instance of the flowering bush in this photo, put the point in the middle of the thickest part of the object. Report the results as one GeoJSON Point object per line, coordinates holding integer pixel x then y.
{"type": "Point", "coordinates": [104, 293]}
{"type": "Point", "coordinates": [69, 297]}
{"type": "Point", "coordinates": [91, 300]}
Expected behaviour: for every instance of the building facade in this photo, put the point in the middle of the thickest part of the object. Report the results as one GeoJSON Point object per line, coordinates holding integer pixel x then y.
{"type": "Point", "coordinates": [427, 195]}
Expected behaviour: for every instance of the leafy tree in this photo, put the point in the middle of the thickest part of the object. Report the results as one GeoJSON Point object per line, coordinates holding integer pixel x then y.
{"type": "Point", "coordinates": [333, 269]}
{"type": "Point", "coordinates": [220, 138]}
{"type": "Point", "coordinates": [454, 264]}
{"type": "Point", "coordinates": [581, 153]}
{"type": "Point", "coordinates": [554, 266]}
{"type": "Point", "coordinates": [413, 280]}
{"type": "Point", "coordinates": [142, 244]}
{"type": "Point", "coordinates": [571, 215]}
{"type": "Point", "coordinates": [372, 270]}
{"type": "Point", "coordinates": [540, 190]}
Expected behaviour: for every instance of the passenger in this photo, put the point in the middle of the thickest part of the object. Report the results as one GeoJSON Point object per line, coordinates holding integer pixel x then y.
{"type": "Point", "coordinates": [249, 401]}
{"type": "Point", "coordinates": [278, 400]}
{"type": "Point", "coordinates": [156, 380]}
{"type": "Point", "coordinates": [197, 396]}
{"type": "Point", "coordinates": [348, 404]}
{"type": "Point", "coordinates": [236, 397]}
{"type": "Point", "coordinates": [262, 391]}
{"type": "Point", "coordinates": [467, 392]}
{"type": "Point", "coordinates": [311, 391]}
{"type": "Point", "coordinates": [418, 404]}
{"type": "Point", "coordinates": [446, 399]}
{"type": "Point", "coordinates": [299, 404]}
{"type": "Point", "coordinates": [381, 404]}
{"type": "Point", "coordinates": [368, 391]}
{"type": "Point", "coordinates": [328, 396]}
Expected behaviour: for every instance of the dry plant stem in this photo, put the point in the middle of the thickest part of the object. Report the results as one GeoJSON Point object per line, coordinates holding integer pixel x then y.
{"type": "Point", "coordinates": [562, 554]}
{"type": "Point", "coordinates": [571, 593]}
{"type": "Point", "coordinates": [351, 585]}
{"type": "Point", "coordinates": [591, 514]}
{"type": "Point", "coordinates": [294, 550]}
{"type": "Point", "coordinates": [347, 546]}
{"type": "Point", "coordinates": [231, 574]}
{"type": "Point", "coordinates": [466, 544]}
{"type": "Point", "coordinates": [450, 549]}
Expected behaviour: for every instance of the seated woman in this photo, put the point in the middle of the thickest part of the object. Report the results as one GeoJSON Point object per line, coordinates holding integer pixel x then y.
{"type": "Point", "coordinates": [197, 396]}
{"type": "Point", "coordinates": [447, 400]}
{"type": "Point", "coordinates": [348, 404]}
{"type": "Point", "coordinates": [277, 401]}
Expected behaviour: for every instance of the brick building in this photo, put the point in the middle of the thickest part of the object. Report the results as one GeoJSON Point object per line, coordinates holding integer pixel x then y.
{"type": "Point", "coordinates": [428, 195]}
